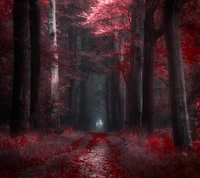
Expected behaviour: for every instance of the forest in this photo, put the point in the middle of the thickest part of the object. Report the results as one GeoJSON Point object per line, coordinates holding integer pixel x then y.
{"type": "Point", "coordinates": [100, 88]}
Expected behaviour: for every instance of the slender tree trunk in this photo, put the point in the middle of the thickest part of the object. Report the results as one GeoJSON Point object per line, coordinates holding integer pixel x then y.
{"type": "Point", "coordinates": [180, 123]}
{"type": "Point", "coordinates": [20, 81]}
{"type": "Point", "coordinates": [124, 104]}
{"type": "Point", "coordinates": [72, 89]}
{"type": "Point", "coordinates": [138, 30]}
{"type": "Point", "coordinates": [35, 26]}
{"type": "Point", "coordinates": [113, 102]}
{"type": "Point", "coordinates": [119, 108]}
{"type": "Point", "coordinates": [82, 115]}
{"type": "Point", "coordinates": [129, 101]}
{"type": "Point", "coordinates": [122, 85]}
{"type": "Point", "coordinates": [107, 101]}
{"type": "Point", "coordinates": [54, 68]}
{"type": "Point", "coordinates": [82, 104]}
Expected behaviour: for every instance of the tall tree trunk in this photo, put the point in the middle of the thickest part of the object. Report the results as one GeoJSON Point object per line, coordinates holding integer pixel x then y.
{"type": "Point", "coordinates": [20, 96]}
{"type": "Point", "coordinates": [148, 72]}
{"type": "Point", "coordinates": [82, 119]}
{"type": "Point", "coordinates": [113, 102]}
{"type": "Point", "coordinates": [122, 85]}
{"type": "Point", "coordinates": [54, 68]}
{"type": "Point", "coordinates": [147, 115]}
{"type": "Point", "coordinates": [151, 36]}
{"type": "Point", "coordinates": [179, 114]}
{"type": "Point", "coordinates": [107, 93]}
{"type": "Point", "coordinates": [138, 31]}
{"type": "Point", "coordinates": [72, 90]}
{"type": "Point", "coordinates": [62, 42]}
{"type": "Point", "coordinates": [35, 28]}
{"type": "Point", "coordinates": [119, 107]}
{"type": "Point", "coordinates": [109, 101]}
{"type": "Point", "coordinates": [129, 101]}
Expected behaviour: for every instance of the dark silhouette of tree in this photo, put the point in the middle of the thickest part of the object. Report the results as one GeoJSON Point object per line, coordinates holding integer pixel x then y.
{"type": "Point", "coordinates": [137, 26]}
{"type": "Point", "coordinates": [179, 113]}
{"type": "Point", "coordinates": [35, 30]}
{"type": "Point", "coordinates": [20, 92]}
{"type": "Point", "coordinates": [151, 35]}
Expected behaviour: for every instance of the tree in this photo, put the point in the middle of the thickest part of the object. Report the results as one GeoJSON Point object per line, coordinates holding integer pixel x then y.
{"type": "Point", "coordinates": [179, 114]}
{"type": "Point", "coordinates": [35, 28]}
{"type": "Point", "coordinates": [72, 32]}
{"type": "Point", "coordinates": [54, 68]}
{"type": "Point", "coordinates": [151, 35]}
{"type": "Point", "coordinates": [20, 81]}
{"type": "Point", "coordinates": [138, 33]}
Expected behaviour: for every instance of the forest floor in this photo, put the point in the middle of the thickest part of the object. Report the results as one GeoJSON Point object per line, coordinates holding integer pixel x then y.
{"type": "Point", "coordinates": [96, 155]}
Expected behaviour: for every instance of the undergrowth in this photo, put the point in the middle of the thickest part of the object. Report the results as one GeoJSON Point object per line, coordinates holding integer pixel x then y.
{"type": "Point", "coordinates": [156, 156]}
{"type": "Point", "coordinates": [28, 150]}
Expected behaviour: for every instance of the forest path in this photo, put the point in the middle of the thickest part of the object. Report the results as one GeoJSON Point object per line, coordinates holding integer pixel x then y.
{"type": "Point", "coordinates": [90, 155]}
{"type": "Point", "coordinates": [100, 159]}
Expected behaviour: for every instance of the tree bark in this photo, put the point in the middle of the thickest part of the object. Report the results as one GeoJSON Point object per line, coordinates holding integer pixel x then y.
{"type": "Point", "coordinates": [20, 96]}
{"type": "Point", "coordinates": [54, 68]}
{"type": "Point", "coordinates": [129, 101]}
{"type": "Point", "coordinates": [148, 68]}
{"type": "Point", "coordinates": [151, 36]}
{"type": "Point", "coordinates": [107, 98]}
{"type": "Point", "coordinates": [113, 102]}
{"type": "Point", "coordinates": [179, 114]}
{"type": "Point", "coordinates": [72, 90]}
{"type": "Point", "coordinates": [138, 32]}
{"type": "Point", "coordinates": [118, 46]}
{"type": "Point", "coordinates": [82, 119]}
{"type": "Point", "coordinates": [35, 27]}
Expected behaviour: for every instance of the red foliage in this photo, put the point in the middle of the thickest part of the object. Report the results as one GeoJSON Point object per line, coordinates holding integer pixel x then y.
{"type": "Point", "coordinates": [68, 132]}
{"type": "Point", "coordinates": [197, 105]}
{"type": "Point", "coordinates": [21, 141]}
{"type": "Point", "coordinates": [160, 145]}
{"type": "Point", "coordinates": [6, 10]}
{"type": "Point", "coordinates": [16, 170]}
{"type": "Point", "coordinates": [196, 145]}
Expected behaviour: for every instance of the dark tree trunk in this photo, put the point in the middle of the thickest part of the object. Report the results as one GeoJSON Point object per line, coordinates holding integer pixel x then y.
{"type": "Point", "coordinates": [107, 98]}
{"type": "Point", "coordinates": [119, 113]}
{"type": "Point", "coordinates": [72, 90]}
{"type": "Point", "coordinates": [109, 102]}
{"type": "Point", "coordinates": [20, 82]}
{"type": "Point", "coordinates": [150, 38]}
{"type": "Point", "coordinates": [147, 114]}
{"type": "Point", "coordinates": [82, 119]}
{"type": "Point", "coordinates": [138, 33]}
{"type": "Point", "coordinates": [149, 51]}
{"type": "Point", "coordinates": [179, 114]}
{"type": "Point", "coordinates": [137, 90]}
{"type": "Point", "coordinates": [113, 102]}
{"type": "Point", "coordinates": [129, 100]}
{"type": "Point", "coordinates": [120, 89]}
{"type": "Point", "coordinates": [35, 27]}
